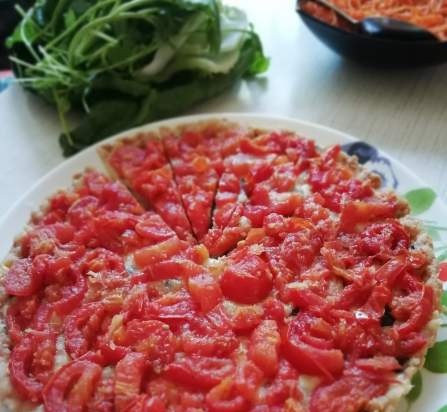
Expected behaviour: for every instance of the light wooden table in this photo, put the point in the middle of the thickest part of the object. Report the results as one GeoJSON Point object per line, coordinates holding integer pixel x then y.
{"type": "Point", "coordinates": [402, 112]}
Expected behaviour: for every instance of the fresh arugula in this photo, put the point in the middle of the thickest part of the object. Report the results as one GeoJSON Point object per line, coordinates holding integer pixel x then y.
{"type": "Point", "coordinates": [126, 62]}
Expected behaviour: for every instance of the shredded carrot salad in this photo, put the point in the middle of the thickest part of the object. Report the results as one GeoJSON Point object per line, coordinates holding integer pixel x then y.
{"type": "Point", "coordinates": [430, 14]}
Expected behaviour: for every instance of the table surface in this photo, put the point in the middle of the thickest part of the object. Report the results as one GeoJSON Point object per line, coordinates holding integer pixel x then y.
{"type": "Point", "coordinates": [404, 112]}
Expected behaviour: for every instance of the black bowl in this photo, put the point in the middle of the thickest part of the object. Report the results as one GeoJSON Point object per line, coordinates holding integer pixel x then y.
{"type": "Point", "coordinates": [369, 50]}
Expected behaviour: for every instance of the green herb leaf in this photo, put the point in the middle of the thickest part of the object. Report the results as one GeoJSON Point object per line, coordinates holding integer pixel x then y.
{"type": "Point", "coordinates": [420, 200]}
{"type": "Point", "coordinates": [443, 409]}
{"type": "Point", "coordinates": [442, 256]}
{"type": "Point", "coordinates": [444, 298]}
{"type": "Point", "coordinates": [416, 390]}
{"type": "Point", "coordinates": [436, 360]}
{"type": "Point", "coordinates": [70, 18]}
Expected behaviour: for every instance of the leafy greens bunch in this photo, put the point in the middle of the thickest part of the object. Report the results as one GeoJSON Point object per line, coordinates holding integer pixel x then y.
{"type": "Point", "coordinates": [126, 62]}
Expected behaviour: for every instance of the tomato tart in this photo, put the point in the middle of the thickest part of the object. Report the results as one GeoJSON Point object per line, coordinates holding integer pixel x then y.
{"type": "Point", "coordinates": [217, 268]}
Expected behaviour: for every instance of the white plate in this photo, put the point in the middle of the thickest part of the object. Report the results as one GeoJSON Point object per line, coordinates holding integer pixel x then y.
{"type": "Point", "coordinates": [434, 212]}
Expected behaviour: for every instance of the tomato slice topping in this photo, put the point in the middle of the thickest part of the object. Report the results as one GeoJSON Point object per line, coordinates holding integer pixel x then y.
{"type": "Point", "coordinates": [205, 291]}
{"type": "Point", "coordinates": [146, 403]}
{"type": "Point", "coordinates": [83, 327]}
{"type": "Point", "coordinates": [174, 268]}
{"type": "Point", "coordinates": [347, 393]}
{"type": "Point", "coordinates": [201, 337]}
{"type": "Point", "coordinates": [247, 281]}
{"type": "Point", "coordinates": [150, 337]}
{"type": "Point", "coordinates": [199, 371]}
{"type": "Point", "coordinates": [26, 312]}
{"type": "Point", "coordinates": [264, 347]}
{"type": "Point", "coordinates": [362, 212]}
{"type": "Point", "coordinates": [31, 363]}
{"type": "Point", "coordinates": [69, 296]}
{"type": "Point", "coordinates": [219, 241]}
{"type": "Point", "coordinates": [82, 211]}
{"type": "Point", "coordinates": [71, 387]}
{"type": "Point", "coordinates": [22, 279]}
{"type": "Point", "coordinates": [101, 260]}
{"type": "Point", "coordinates": [420, 315]}
{"type": "Point", "coordinates": [159, 252]}
{"type": "Point", "coordinates": [248, 380]}
{"type": "Point", "coordinates": [315, 357]}
{"type": "Point", "coordinates": [153, 228]}
{"type": "Point", "coordinates": [224, 398]}
{"type": "Point", "coordinates": [129, 373]}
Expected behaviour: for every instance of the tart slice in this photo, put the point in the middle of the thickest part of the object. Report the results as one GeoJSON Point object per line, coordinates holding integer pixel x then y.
{"type": "Point", "coordinates": [142, 165]}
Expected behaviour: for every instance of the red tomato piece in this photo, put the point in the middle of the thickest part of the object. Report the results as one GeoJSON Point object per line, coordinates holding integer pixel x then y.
{"type": "Point", "coordinates": [199, 371]}
{"type": "Point", "coordinates": [264, 347]}
{"type": "Point", "coordinates": [71, 387]}
{"type": "Point", "coordinates": [172, 307]}
{"type": "Point", "coordinates": [114, 196]}
{"type": "Point", "coordinates": [45, 239]}
{"type": "Point", "coordinates": [388, 273]}
{"type": "Point", "coordinates": [31, 363]}
{"type": "Point", "coordinates": [311, 360]}
{"type": "Point", "coordinates": [159, 252]}
{"type": "Point", "coordinates": [136, 302]}
{"type": "Point", "coordinates": [256, 214]}
{"type": "Point", "coordinates": [129, 373]}
{"type": "Point", "coordinates": [153, 228]}
{"type": "Point", "coordinates": [379, 365]}
{"type": "Point", "coordinates": [198, 254]}
{"type": "Point", "coordinates": [68, 297]}
{"type": "Point", "coordinates": [248, 380]}
{"type": "Point", "coordinates": [22, 279]}
{"type": "Point", "coordinates": [174, 268]}
{"type": "Point", "coordinates": [247, 281]}
{"type": "Point", "coordinates": [251, 147]}
{"type": "Point", "coordinates": [127, 160]}
{"type": "Point", "coordinates": [152, 338]}
{"type": "Point", "coordinates": [224, 398]}
{"type": "Point", "coordinates": [226, 199]}
{"type": "Point", "coordinates": [201, 337]}
{"type": "Point", "coordinates": [420, 315]}
{"type": "Point", "coordinates": [388, 238]}
{"type": "Point", "coordinates": [413, 343]}
{"type": "Point", "coordinates": [346, 393]}
{"type": "Point", "coordinates": [274, 310]}
{"type": "Point", "coordinates": [146, 403]}
{"type": "Point", "coordinates": [219, 241]}
{"type": "Point", "coordinates": [358, 211]}
{"type": "Point", "coordinates": [302, 298]}
{"type": "Point", "coordinates": [26, 313]}
{"type": "Point", "coordinates": [83, 327]}
{"type": "Point", "coordinates": [443, 271]}
{"type": "Point", "coordinates": [241, 318]}
{"type": "Point", "coordinates": [282, 387]}
{"type": "Point", "coordinates": [298, 250]}
{"type": "Point", "coordinates": [104, 398]}
{"type": "Point", "coordinates": [205, 291]}
{"type": "Point", "coordinates": [82, 211]}
{"type": "Point", "coordinates": [101, 260]}
{"type": "Point", "coordinates": [111, 352]}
